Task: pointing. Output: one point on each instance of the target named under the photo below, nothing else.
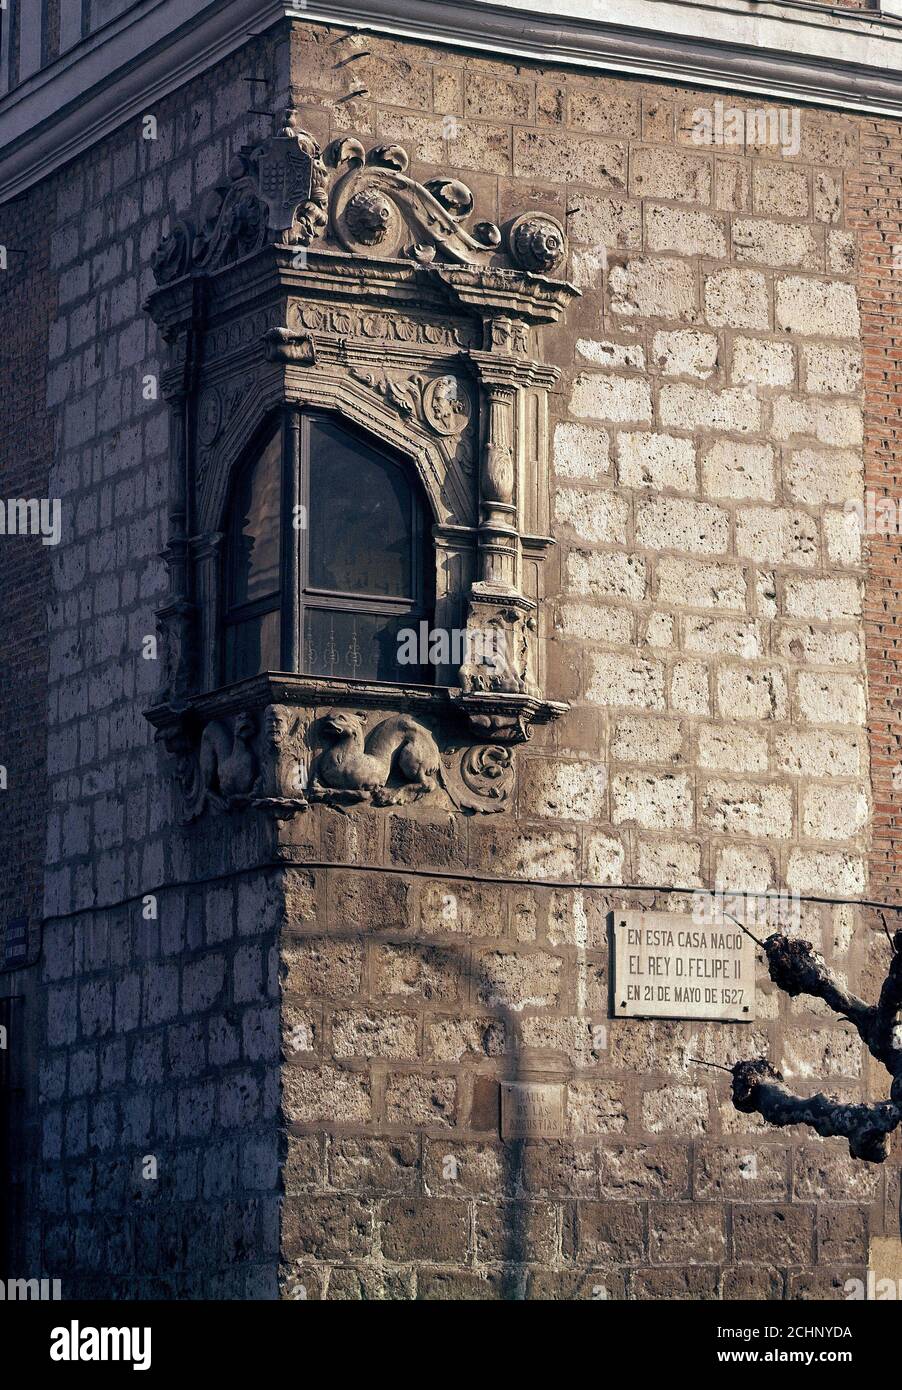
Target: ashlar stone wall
(706, 623)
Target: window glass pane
(253, 646)
(255, 534)
(361, 645)
(361, 517)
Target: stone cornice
(846, 59)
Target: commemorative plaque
(667, 965)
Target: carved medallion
(209, 416)
(537, 242)
(446, 405)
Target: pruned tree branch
(757, 1086)
(797, 968)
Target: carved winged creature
(226, 765)
(396, 747)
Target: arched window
(327, 557)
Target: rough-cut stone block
(671, 174)
(819, 476)
(618, 398)
(731, 749)
(426, 971)
(606, 575)
(727, 636)
(777, 536)
(816, 308)
(659, 461)
(430, 1229)
(748, 808)
(832, 370)
(833, 813)
(323, 968)
(830, 699)
(696, 584)
(654, 288)
(821, 754)
(779, 1235)
(685, 352)
(626, 680)
(596, 1107)
(686, 1232)
(685, 231)
(763, 363)
(604, 1231)
(780, 189)
(740, 471)
(675, 1110)
(690, 691)
(670, 523)
(607, 222)
(595, 623)
(655, 801)
(565, 790)
(417, 1101)
(593, 515)
(752, 692)
(827, 600)
(736, 409)
(371, 1034)
(608, 354)
(326, 1094)
(737, 299)
(776, 244)
(518, 981)
(817, 871)
(569, 159)
(832, 422)
(638, 740)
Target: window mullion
(292, 518)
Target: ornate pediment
(286, 191)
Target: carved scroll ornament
(282, 190)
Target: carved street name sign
(667, 965)
(532, 1110)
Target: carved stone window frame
(338, 283)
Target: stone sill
(498, 716)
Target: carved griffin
(396, 747)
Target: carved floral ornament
(334, 281)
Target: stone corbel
(281, 759)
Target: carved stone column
(206, 551)
(177, 617)
(498, 536)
